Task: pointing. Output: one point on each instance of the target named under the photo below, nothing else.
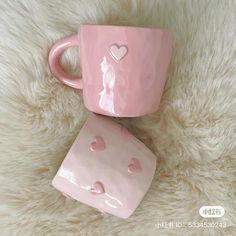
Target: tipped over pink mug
(106, 168)
(123, 68)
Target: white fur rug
(193, 134)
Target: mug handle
(54, 61)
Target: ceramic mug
(106, 168)
(123, 68)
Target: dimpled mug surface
(106, 168)
(123, 68)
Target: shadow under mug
(123, 68)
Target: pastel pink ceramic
(114, 178)
(123, 68)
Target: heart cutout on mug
(134, 166)
(97, 188)
(98, 144)
(118, 52)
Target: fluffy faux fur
(193, 134)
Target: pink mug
(123, 67)
(106, 168)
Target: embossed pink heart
(97, 188)
(97, 144)
(118, 52)
(134, 166)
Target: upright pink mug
(123, 68)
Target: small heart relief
(98, 144)
(118, 52)
(134, 166)
(97, 188)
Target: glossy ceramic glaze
(106, 168)
(123, 68)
